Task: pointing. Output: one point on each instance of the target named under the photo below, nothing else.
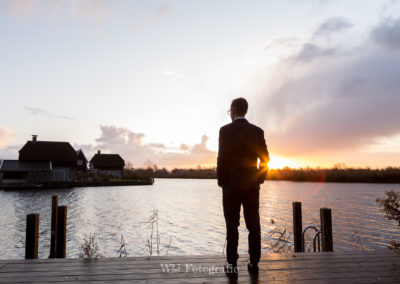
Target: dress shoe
(231, 269)
(252, 268)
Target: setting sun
(278, 162)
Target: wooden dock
(325, 267)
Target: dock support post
(297, 227)
(326, 229)
(32, 236)
(61, 243)
(53, 240)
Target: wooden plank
(132, 261)
(390, 266)
(351, 268)
(265, 257)
(281, 276)
(151, 264)
(156, 271)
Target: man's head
(239, 108)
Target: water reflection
(190, 213)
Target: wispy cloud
(92, 10)
(142, 20)
(42, 112)
(169, 73)
(332, 25)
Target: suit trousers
(232, 199)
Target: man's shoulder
(257, 128)
(226, 127)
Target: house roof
(24, 166)
(107, 161)
(80, 152)
(47, 151)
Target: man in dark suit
(241, 168)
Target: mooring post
(53, 237)
(32, 236)
(297, 227)
(61, 243)
(326, 229)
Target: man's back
(241, 144)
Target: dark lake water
(190, 216)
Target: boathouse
(108, 164)
(61, 155)
(17, 173)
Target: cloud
(132, 148)
(92, 10)
(6, 136)
(10, 152)
(387, 34)
(42, 112)
(311, 51)
(117, 135)
(332, 25)
(154, 16)
(173, 74)
(282, 42)
(327, 99)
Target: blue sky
(152, 80)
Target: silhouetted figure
(241, 144)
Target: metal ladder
(316, 237)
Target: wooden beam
(53, 237)
(61, 232)
(32, 236)
(326, 229)
(297, 227)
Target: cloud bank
(325, 98)
(132, 148)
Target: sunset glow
(277, 162)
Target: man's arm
(264, 158)
(222, 160)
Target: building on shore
(107, 164)
(81, 162)
(41, 162)
(15, 172)
(62, 156)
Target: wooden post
(53, 240)
(61, 231)
(326, 229)
(297, 227)
(32, 236)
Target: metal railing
(316, 237)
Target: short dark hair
(241, 106)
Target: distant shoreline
(334, 175)
(300, 181)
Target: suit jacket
(240, 145)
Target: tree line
(335, 174)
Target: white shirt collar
(239, 117)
